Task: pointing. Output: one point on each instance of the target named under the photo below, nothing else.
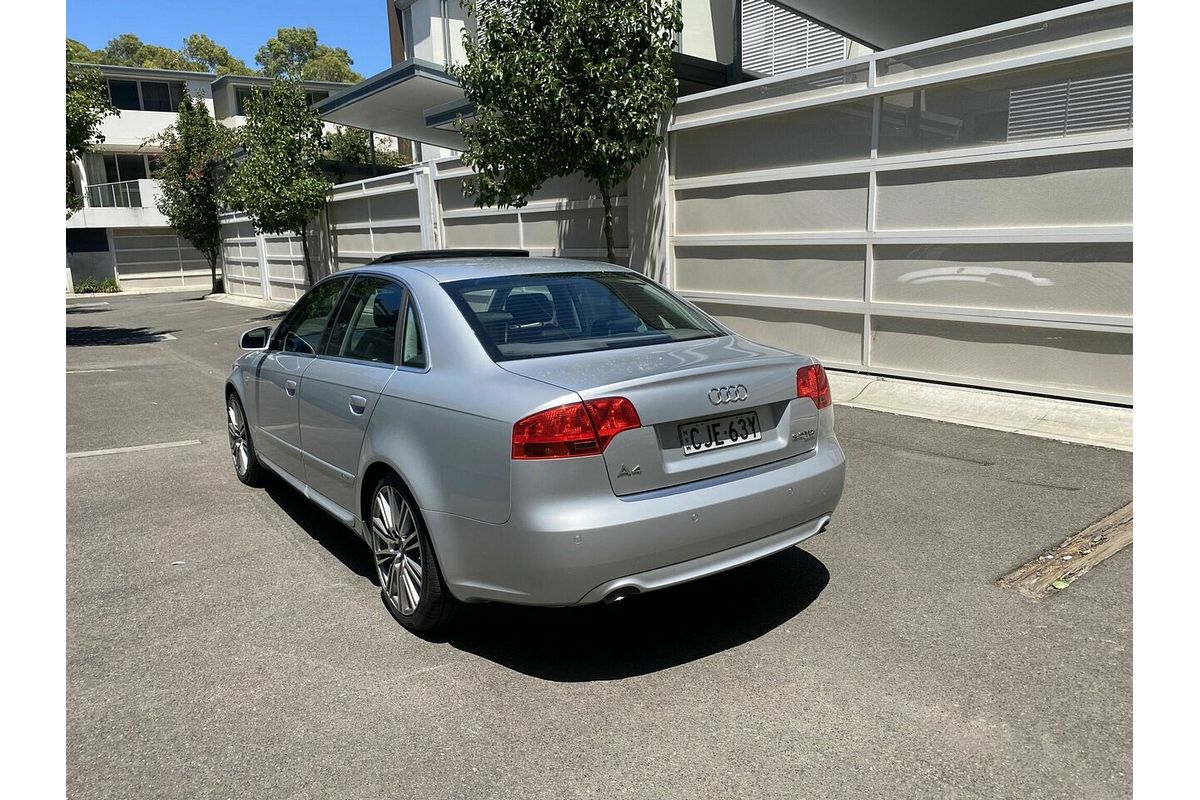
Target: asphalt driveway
(229, 642)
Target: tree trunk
(212, 268)
(608, 225)
(308, 270)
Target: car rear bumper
(568, 544)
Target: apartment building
(120, 232)
(938, 191)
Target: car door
(341, 387)
(293, 347)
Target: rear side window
(413, 353)
(365, 328)
(527, 316)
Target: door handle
(290, 388)
(358, 404)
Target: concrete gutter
(1049, 418)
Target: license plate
(718, 432)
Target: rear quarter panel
(447, 430)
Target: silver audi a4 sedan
(532, 430)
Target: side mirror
(256, 338)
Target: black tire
(435, 606)
(247, 469)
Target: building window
(315, 97)
(241, 95)
(154, 95)
(120, 167)
(87, 240)
(124, 95)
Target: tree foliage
(564, 86)
(87, 107)
(191, 152)
(295, 52)
(353, 146)
(278, 183)
(206, 54)
(128, 50)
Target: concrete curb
(251, 302)
(1046, 417)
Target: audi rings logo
(728, 394)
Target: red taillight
(811, 382)
(573, 429)
(611, 415)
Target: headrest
(385, 317)
(529, 308)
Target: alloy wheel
(239, 448)
(399, 561)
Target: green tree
(564, 86)
(191, 152)
(353, 146)
(295, 52)
(87, 107)
(128, 50)
(204, 53)
(348, 144)
(279, 184)
(80, 52)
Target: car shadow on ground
(93, 335)
(646, 633)
(637, 636)
(326, 531)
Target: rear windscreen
(526, 316)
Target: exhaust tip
(617, 595)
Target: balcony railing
(126, 194)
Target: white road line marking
(85, 305)
(134, 449)
(78, 371)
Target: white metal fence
(919, 213)
(422, 207)
(932, 211)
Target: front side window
(527, 316)
(365, 328)
(302, 329)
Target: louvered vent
(777, 39)
(1077, 105)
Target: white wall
(708, 30)
(436, 23)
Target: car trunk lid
(707, 407)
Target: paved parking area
(228, 642)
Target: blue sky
(360, 26)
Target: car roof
(446, 269)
